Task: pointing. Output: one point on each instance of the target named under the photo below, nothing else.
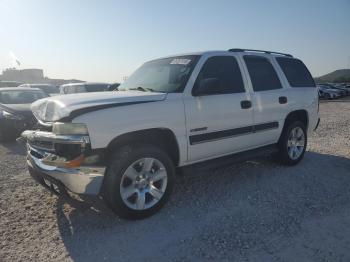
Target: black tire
(283, 154)
(327, 96)
(119, 162)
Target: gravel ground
(252, 211)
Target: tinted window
(96, 88)
(78, 89)
(73, 89)
(262, 73)
(226, 70)
(296, 72)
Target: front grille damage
(70, 152)
(61, 150)
(66, 151)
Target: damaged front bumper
(81, 174)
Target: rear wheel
(139, 181)
(293, 142)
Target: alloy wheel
(143, 183)
(296, 143)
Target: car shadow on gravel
(255, 207)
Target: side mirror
(207, 86)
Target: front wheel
(292, 144)
(138, 181)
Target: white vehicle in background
(83, 88)
(172, 112)
(49, 89)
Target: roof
(258, 51)
(85, 83)
(19, 89)
(233, 50)
(9, 81)
(24, 85)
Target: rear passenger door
(216, 122)
(270, 99)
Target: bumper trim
(53, 185)
(30, 135)
(82, 180)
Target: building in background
(32, 76)
(23, 75)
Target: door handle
(245, 104)
(282, 100)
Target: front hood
(21, 109)
(66, 106)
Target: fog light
(75, 162)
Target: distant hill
(338, 76)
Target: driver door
(219, 113)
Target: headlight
(48, 110)
(8, 115)
(69, 129)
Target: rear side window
(226, 70)
(262, 73)
(296, 72)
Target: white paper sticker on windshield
(180, 61)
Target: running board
(232, 159)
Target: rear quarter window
(296, 72)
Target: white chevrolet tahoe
(172, 112)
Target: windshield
(168, 75)
(20, 96)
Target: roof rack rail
(257, 51)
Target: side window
(79, 89)
(262, 73)
(296, 72)
(219, 75)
